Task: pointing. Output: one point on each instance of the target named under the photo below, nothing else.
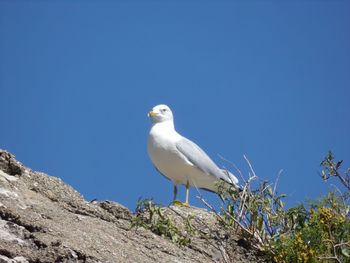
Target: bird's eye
(164, 110)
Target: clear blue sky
(269, 79)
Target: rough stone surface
(42, 219)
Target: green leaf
(345, 251)
(260, 223)
(269, 190)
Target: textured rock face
(42, 219)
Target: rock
(42, 219)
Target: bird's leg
(176, 202)
(187, 192)
(175, 193)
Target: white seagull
(179, 159)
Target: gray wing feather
(199, 158)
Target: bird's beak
(152, 114)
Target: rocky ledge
(42, 219)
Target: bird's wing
(195, 155)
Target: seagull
(179, 159)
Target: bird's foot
(179, 203)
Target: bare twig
(234, 166)
(276, 182)
(334, 258)
(250, 166)
(246, 189)
(343, 244)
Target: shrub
(316, 232)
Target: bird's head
(160, 113)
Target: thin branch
(344, 181)
(343, 244)
(234, 166)
(250, 166)
(334, 258)
(245, 192)
(276, 182)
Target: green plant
(323, 236)
(150, 216)
(258, 212)
(316, 232)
